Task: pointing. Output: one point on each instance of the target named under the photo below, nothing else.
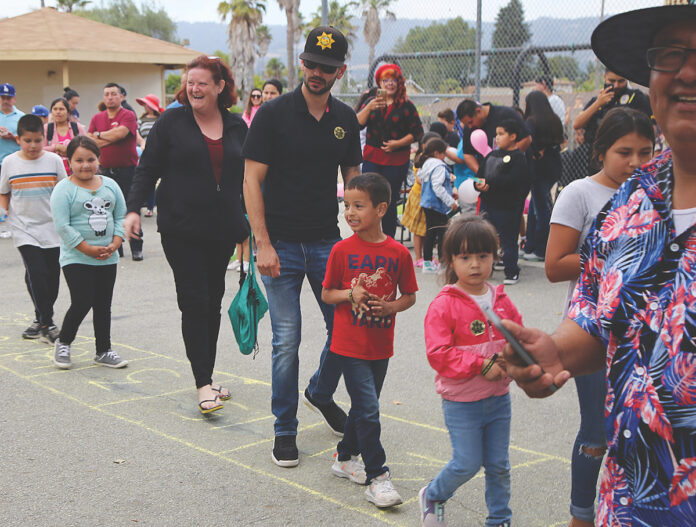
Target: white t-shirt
(577, 207)
(683, 219)
(558, 106)
(485, 300)
(30, 183)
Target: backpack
(52, 126)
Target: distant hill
(209, 36)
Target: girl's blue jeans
(480, 435)
(592, 392)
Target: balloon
(339, 190)
(467, 192)
(479, 140)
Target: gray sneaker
(61, 355)
(110, 359)
(33, 331)
(49, 334)
(382, 493)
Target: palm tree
(291, 8)
(263, 38)
(69, 5)
(245, 16)
(372, 29)
(275, 69)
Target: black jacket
(190, 203)
(508, 177)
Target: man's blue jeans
(592, 392)
(297, 260)
(364, 380)
(480, 435)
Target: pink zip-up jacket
(458, 338)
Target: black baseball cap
(325, 45)
(622, 41)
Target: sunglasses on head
(310, 65)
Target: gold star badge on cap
(325, 41)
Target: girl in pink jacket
(463, 348)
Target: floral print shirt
(637, 293)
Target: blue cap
(7, 90)
(39, 110)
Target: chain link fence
(521, 42)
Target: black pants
(199, 274)
(91, 287)
(507, 223)
(124, 177)
(42, 276)
(437, 224)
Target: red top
(383, 266)
(122, 153)
(215, 152)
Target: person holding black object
(196, 153)
(295, 146)
(506, 181)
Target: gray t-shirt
(577, 207)
(30, 183)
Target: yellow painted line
(427, 458)
(260, 472)
(238, 405)
(188, 418)
(242, 423)
(543, 454)
(326, 451)
(141, 398)
(268, 440)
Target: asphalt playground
(92, 446)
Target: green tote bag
(248, 307)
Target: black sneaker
(512, 280)
(137, 256)
(334, 416)
(285, 452)
(33, 331)
(49, 334)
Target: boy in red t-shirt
(362, 276)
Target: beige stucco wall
(40, 82)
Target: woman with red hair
(393, 124)
(196, 153)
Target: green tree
(455, 34)
(562, 67)
(245, 16)
(510, 31)
(172, 83)
(339, 17)
(263, 39)
(291, 8)
(147, 20)
(224, 57)
(372, 10)
(275, 69)
(69, 5)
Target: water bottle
(4, 230)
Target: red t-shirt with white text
(121, 153)
(384, 266)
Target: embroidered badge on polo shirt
(339, 132)
(325, 41)
(477, 327)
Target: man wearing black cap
(634, 309)
(294, 148)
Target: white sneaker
(430, 267)
(381, 492)
(246, 267)
(233, 266)
(353, 469)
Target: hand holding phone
(515, 344)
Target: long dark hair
(220, 72)
(69, 93)
(247, 109)
(617, 123)
(432, 146)
(548, 128)
(83, 141)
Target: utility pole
(477, 74)
(324, 12)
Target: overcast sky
(205, 10)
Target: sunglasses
(314, 65)
(255, 95)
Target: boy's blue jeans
(592, 392)
(364, 380)
(480, 435)
(297, 260)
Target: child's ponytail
(430, 148)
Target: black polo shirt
(303, 156)
(496, 115)
(630, 98)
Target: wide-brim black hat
(622, 41)
(325, 45)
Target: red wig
(220, 72)
(393, 71)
